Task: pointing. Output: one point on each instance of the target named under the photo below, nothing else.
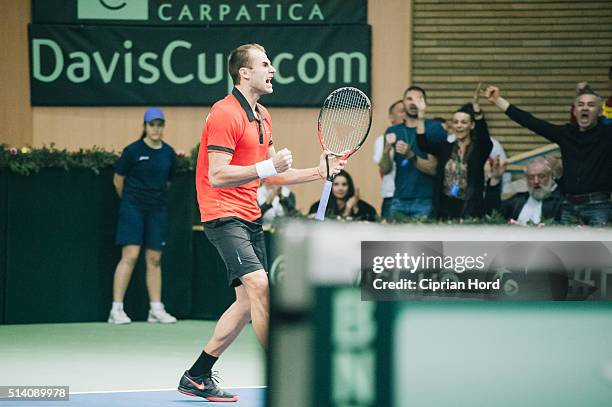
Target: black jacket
(586, 156)
(481, 148)
(511, 208)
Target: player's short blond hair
(239, 58)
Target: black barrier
(58, 257)
(3, 215)
(209, 271)
(60, 251)
(178, 258)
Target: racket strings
(345, 121)
(344, 132)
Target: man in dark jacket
(586, 148)
(542, 201)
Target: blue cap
(153, 113)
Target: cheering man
(236, 153)
(586, 151)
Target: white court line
(151, 390)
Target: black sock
(203, 365)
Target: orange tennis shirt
(232, 128)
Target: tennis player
(236, 153)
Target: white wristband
(265, 169)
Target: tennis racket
(344, 123)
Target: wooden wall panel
(534, 50)
(15, 110)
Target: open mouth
(269, 81)
(584, 116)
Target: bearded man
(542, 201)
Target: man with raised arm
(415, 169)
(586, 152)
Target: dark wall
(57, 251)
(60, 250)
(211, 292)
(3, 215)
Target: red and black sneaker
(205, 386)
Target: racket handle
(323, 202)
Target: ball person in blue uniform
(141, 179)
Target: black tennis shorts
(241, 245)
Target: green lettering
(160, 12)
(347, 63)
(167, 62)
(205, 12)
(352, 378)
(218, 76)
(106, 73)
(263, 8)
(82, 63)
(185, 14)
(354, 326)
(283, 80)
(319, 71)
(243, 12)
(152, 69)
(316, 12)
(36, 62)
(292, 14)
(224, 10)
(127, 59)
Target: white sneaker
(118, 317)
(160, 316)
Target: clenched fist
(491, 93)
(282, 160)
(401, 147)
(390, 138)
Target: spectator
(606, 113)
(275, 201)
(141, 179)
(414, 180)
(344, 201)
(542, 201)
(396, 116)
(586, 148)
(459, 187)
(496, 156)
